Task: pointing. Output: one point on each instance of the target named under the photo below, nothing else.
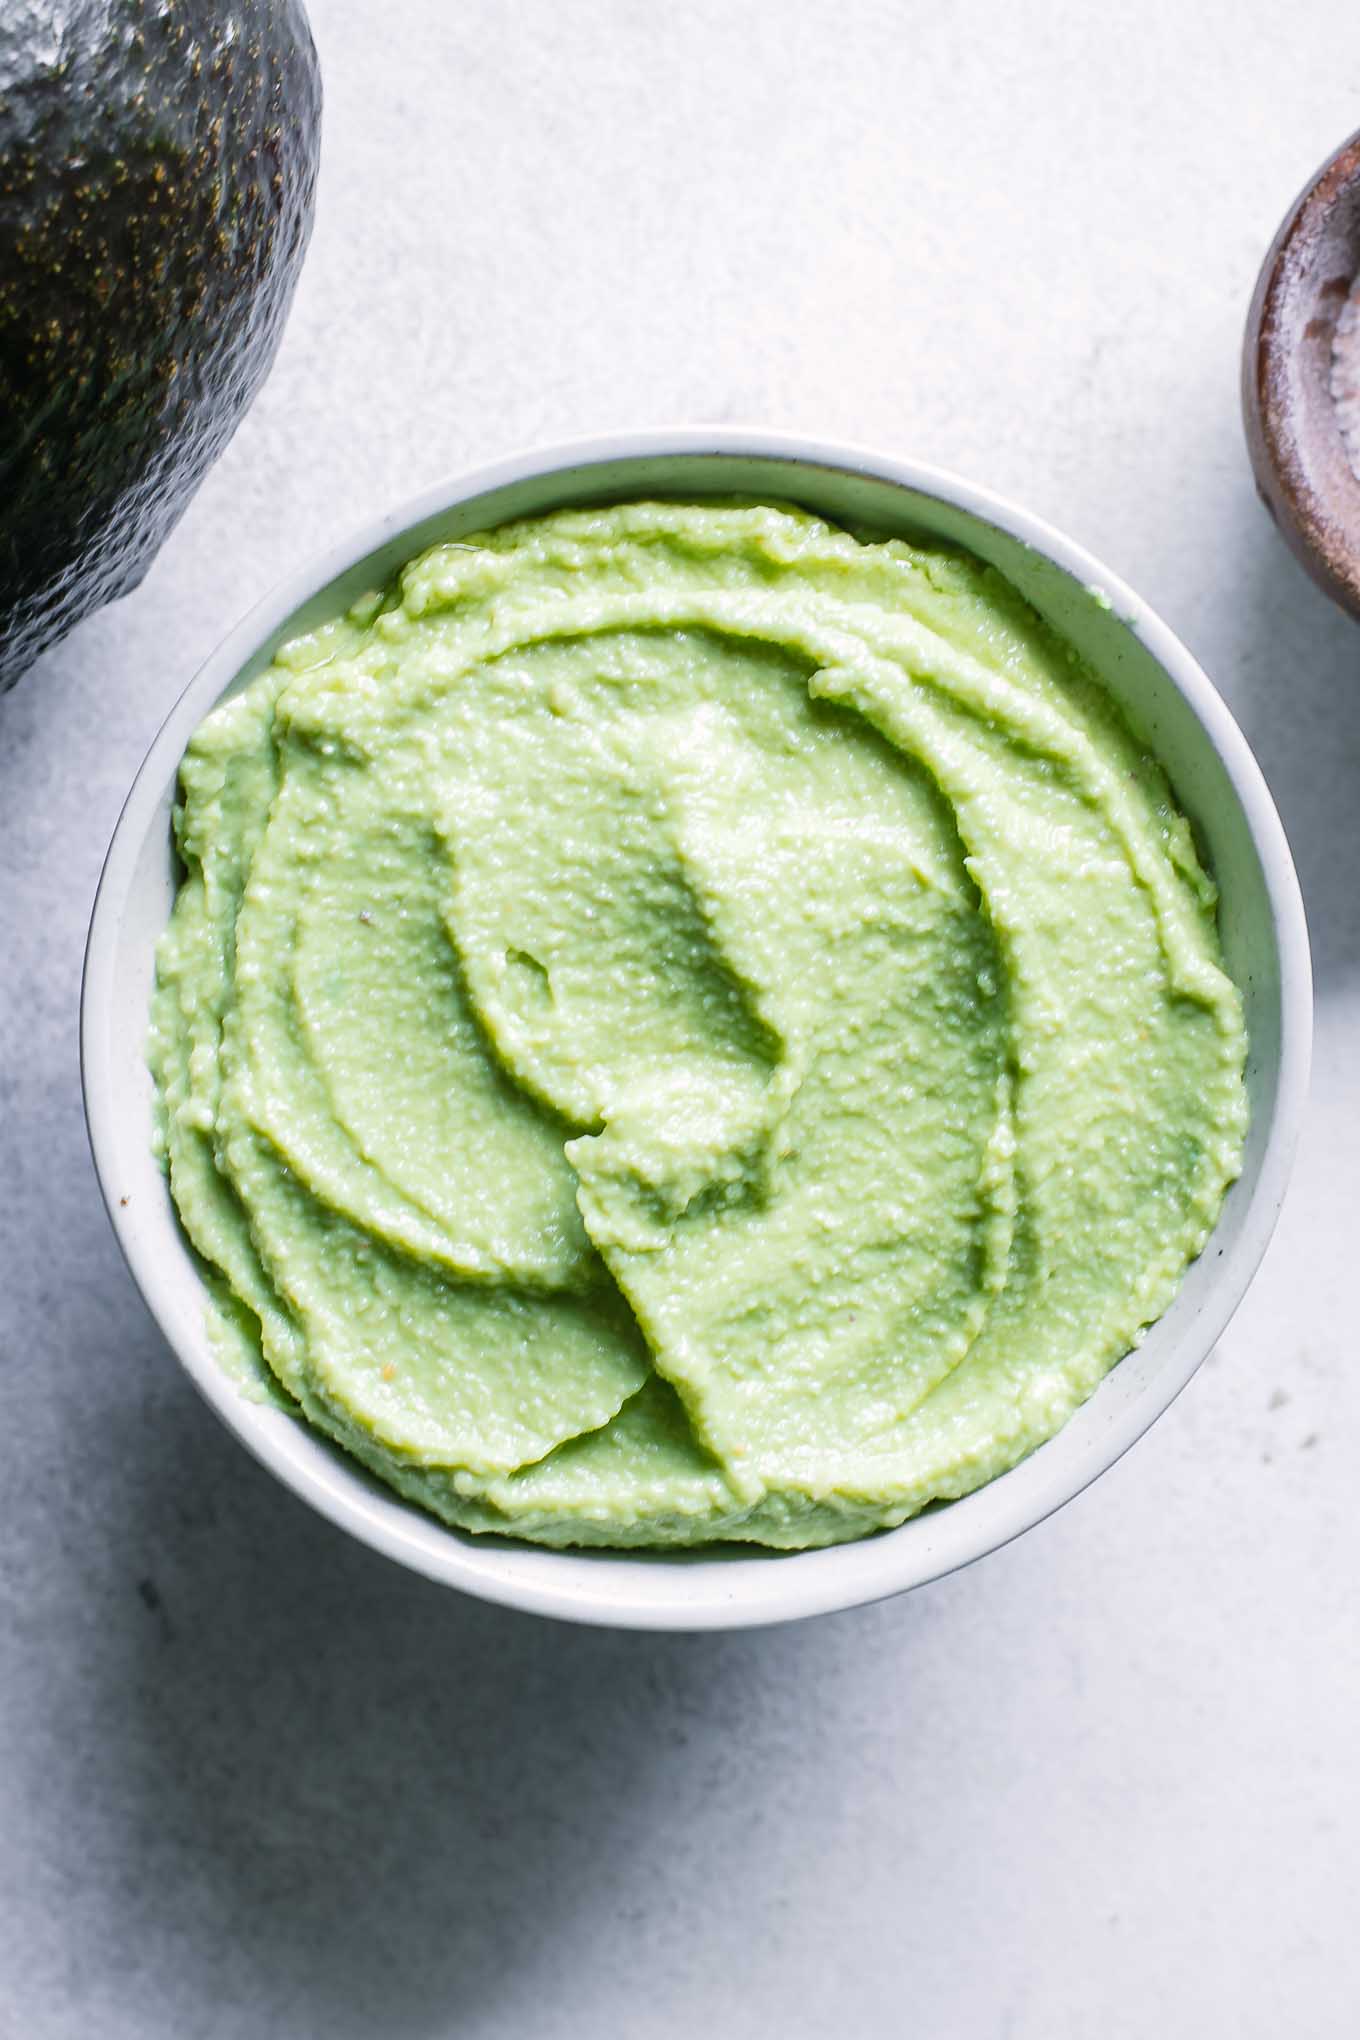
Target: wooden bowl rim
(1303, 472)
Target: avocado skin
(158, 164)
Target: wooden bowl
(1300, 460)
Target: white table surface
(253, 1779)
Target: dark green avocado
(157, 172)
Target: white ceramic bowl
(1171, 705)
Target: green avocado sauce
(681, 1024)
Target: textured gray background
(253, 1779)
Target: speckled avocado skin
(158, 164)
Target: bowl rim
(710, 1584)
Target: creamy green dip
(682, 1024)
